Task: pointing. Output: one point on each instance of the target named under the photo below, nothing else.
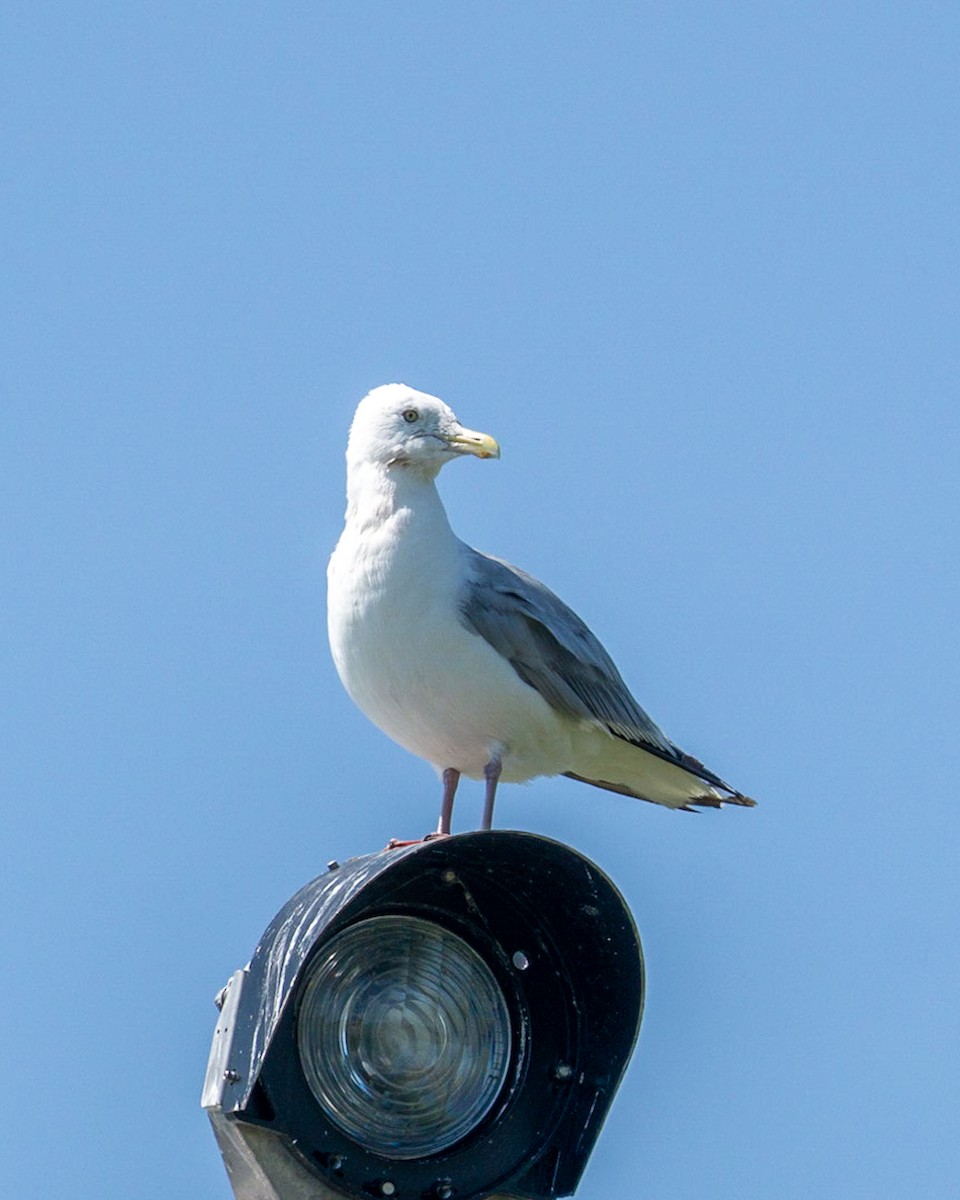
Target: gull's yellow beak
(468, 441)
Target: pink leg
(451, 778)
(491, 773)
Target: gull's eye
(410, 415)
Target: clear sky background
(696, 267)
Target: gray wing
(552, 650)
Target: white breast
(411, 665)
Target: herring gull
(463, 659)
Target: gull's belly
(442, 691)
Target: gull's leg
(450, 777)
(491, 773)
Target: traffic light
(446, 1019)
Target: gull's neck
(377, 493)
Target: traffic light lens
(404, 1035)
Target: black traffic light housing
(559, 941)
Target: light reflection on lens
(404, 1035)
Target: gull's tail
(681, 782)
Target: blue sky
(695, 266)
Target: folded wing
(554, 651)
